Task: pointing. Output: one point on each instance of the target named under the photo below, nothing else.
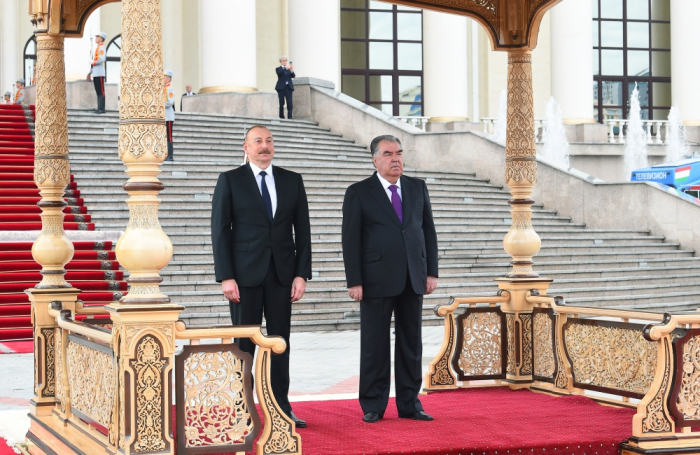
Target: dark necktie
(266, 195)
(396, 201)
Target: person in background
(285, 86)
(19, 95)
(8, 98)
(98, 71)
(189, 92)
(169, 95)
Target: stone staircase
(613, 268)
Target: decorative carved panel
(511, 363)
(609, 356)
(92, 380)
(685, 400)
(543, 345)
(480, 344)
(215, 399)
(526, 324)
(282, 438)
(149, 367)
(657, 418)
(49, 363)
(442, 376)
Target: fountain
(676, 147)
(556, 148)
(499, 130)
(636, 143)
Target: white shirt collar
(385, 183)
(257, 170)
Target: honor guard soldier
(19, 96)
(169, 95)
(98, 71)
(8, 98)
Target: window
(114, 58)
(631, 46)
(382, 55)
(30, 62)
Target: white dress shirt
(386, 184)
(269, 180)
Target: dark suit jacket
(243, 239)
(379, 251)
(182, 97)
(284, 77)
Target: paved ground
(324, 365)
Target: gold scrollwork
(148, 368)
(139, 139)
(59, 367)
(526, 324)
(657, 420)
(216, 410)
(52, 225)
(50, 363)
(688, 394)
(143, 216)
(543, 345)
(611, 357)
(281, 439)
(51, 128)
(480, 353)
(510, 358)
(519, 171)
(442, 374)
(91, 379)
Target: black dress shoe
(372, 417)
(418, 415)
(297, 421)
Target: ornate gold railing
(215, 409)
(639, 359)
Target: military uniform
(98, 73)
(7, 98)
(169, 96)
(19, 96)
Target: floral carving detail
(442, 374)
(55, 170)
(657, 419)
(522, 221)
(143, 216)
(688, 402)
(518, 171)
(481, 344)
(611, 357)
(140, 139)
(281, 439)
(562, 379)
(526, 324)
(52, 225)
(50, 362)
(216, 410)
(510, 324)
(51, 115)
(543, 345)
(59, 368)
(91, 379)
(148, 368)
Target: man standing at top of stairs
(19, 96)
(98, 71)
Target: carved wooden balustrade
(649, 361)
(215, 409)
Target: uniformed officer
(169, 95)
(19, 96)
(8, 98)
(98, 71)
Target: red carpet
(491, 421)
(94, 268)
(5, 449)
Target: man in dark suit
(391, 261)
(189, 92)
(285, 86)
(261, 239)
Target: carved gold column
(144, 320)
(52, 249)
(521, 242)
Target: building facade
(405, 62)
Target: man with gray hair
(391, 260)
(285, 86)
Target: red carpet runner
(489, 421)
(94, 268)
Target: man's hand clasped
(230, 289)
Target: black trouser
(169, 128)
(282, 94)
(375, 351)
(99, 82)
(274, 300)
